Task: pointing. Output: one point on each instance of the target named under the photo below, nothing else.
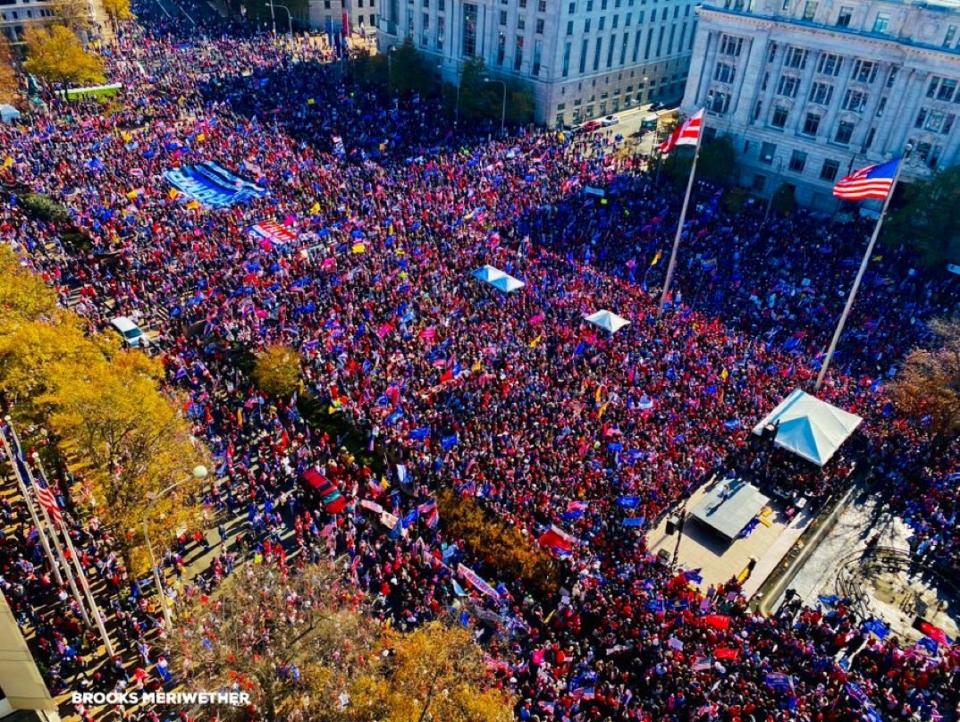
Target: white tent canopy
(809, 427)
(498, 279)
(8, 113)
(607, 320)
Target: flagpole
(83, 579)
(863, 267)
(33, 512)
(56, 543)
(683, 217)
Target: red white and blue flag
(687, 133)
(558, 540)
(871, 183)
(428, 510)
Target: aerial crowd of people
(509, 398)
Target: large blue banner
(213, 185)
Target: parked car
(610, 120)
(590, 126)
(132, 334)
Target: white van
(132, 334)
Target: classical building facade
(583, 58)
(332, 16)
(15, 15)
(810, 89)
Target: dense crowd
(512, 399)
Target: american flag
(44, 495)
(47, 500)
(872, 182)
(687, 133)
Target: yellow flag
(476, 367)
(656, 258)
(358, 248)
(311, 101)
(536, 341)
(201, 137)
(7, 162)
(724, 374)
(240, 417)
(603, 410)
(134, 193)
(193, 205)
(596, 396)
(127, 137)
(173, 194)
(315, 208)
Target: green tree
(925, 217)
(56, 55)
(409, 71)
(717, 162)
(478, 99)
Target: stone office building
(583, 58)
(810, 89)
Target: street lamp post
(289, 17)
(503, 105)
(199, 472)
(273, 18)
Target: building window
(724, 73)
(798, 160)
(537, 54)
(759, 182)
(811, 124)
(731, 45)
(950, 36)
(828, 171)
(518, 53)
(821, 93)
(501, 48)
(854, 101)
(539, 27)
(596, 54)
(881, 106)
(767, 151)
(586, 25)
(788, 86)
(829, 65)
(864, 71)
(569, 28)
(566, 60)
(521, 23)
(809, 9)
(541, 6)
(718, 102)
(779, 118)
(771, 52)
(440, 31)
(844, 17)
(870, 136)
(946, 90)
(882, 23)
(603, 21)
(469, 29)
(892, 76)
(796, 58)
(503, 17)
(610, 48)
(844, 132)
(934, 121)
(623, 53)
(583, 56)
(929, 153)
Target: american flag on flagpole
(47, 500)
(871, 183)
(687, 133)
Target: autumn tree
(9, 90)
(277, 371)
(129, 441)
(56, 55)
(928, 385)
(499, 545)
(74, 14)
(302, 645)
(23, 295)
(434, 673)
(117, 10)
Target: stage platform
(719, 557)
(729, 507)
